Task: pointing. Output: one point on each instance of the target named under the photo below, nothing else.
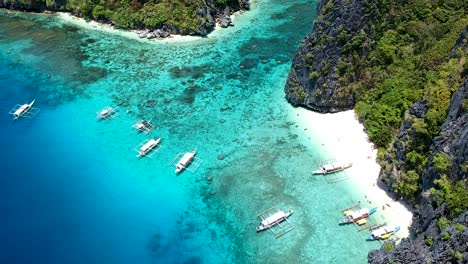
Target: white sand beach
(133, 34)
(67, 17)
(343, 137)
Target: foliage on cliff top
(409, 62)
(140, 13)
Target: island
(401, 65)
(153, 19)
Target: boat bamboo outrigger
(106, 112)
(143, 126)
(182, 161)
(354, 217)
(332, 167)
(383, 232)
(145, 148)
(274, 220)
(185, 161)
(24, 110)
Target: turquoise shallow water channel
(72, 191)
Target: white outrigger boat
(357, 216)
(332, 167)
(274, 219)
(383, 232)
(106, 112)
(186, 159)
(147, 147)
(143, 126)
(24, 110)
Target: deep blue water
(72, 191)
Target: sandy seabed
(343, 137)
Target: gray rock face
(448, 246)
(396, 156)
(453, 137)
(432, 245)
(451, 243)
(209, 23)
(244, 4)
(313, 78)
(225, 21)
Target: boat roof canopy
(273, 218)
(383, 230)
(329, 166)
(360, 212)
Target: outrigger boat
(186, 159)
(274, 219)
(143, 126)
(106, 112)
(147, 147)
(332, 167)
(24, 110)
(354, 217)
(383, 232)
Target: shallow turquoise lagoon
(72, 191)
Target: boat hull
(185, 161)
(349, 219)
(336, 168)
(265, 227)
(147, 149)
(23, 109)
(384, 235)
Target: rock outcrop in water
(408, 85)
(154, 19)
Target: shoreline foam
(343, 137)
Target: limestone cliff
(341, 32)
(434, 242)
(402, 66)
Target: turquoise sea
(72, 191)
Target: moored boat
(106, 112)
(358, 215)
(143, 126)
(22, 110)
(186, 159)
(383, 232)
(140, 126)
(333, 167)
(274, 219)
(148, 146)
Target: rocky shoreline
(224, 20)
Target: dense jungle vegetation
(129, 13)
(412, 59)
